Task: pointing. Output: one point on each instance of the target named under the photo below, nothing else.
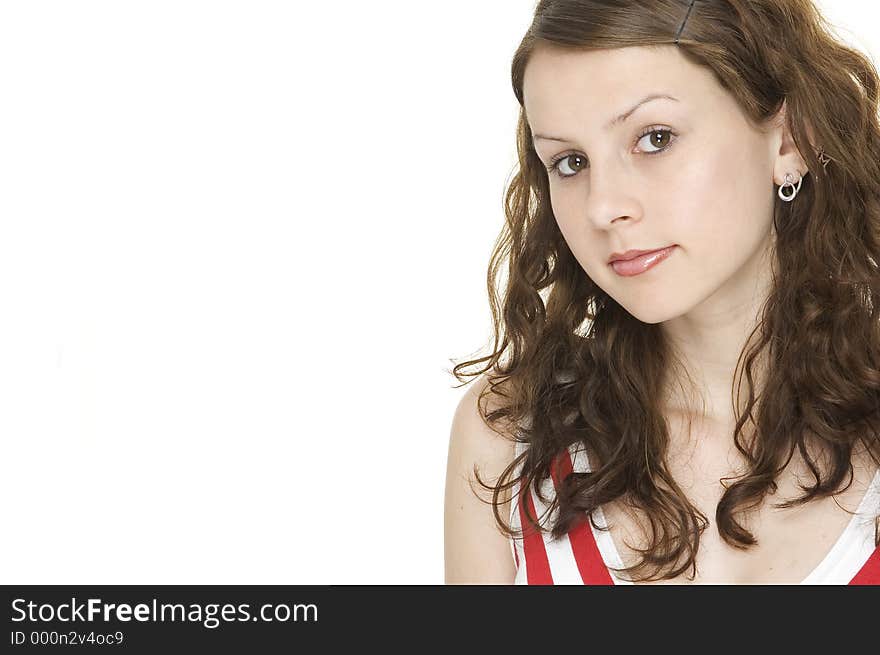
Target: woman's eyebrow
(618, 119)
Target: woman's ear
(788, 158)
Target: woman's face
(689, 172)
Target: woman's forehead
(569, 87)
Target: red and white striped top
(583, 556)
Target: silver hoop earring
(788, 182)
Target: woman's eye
(660, 143)
(565, 160)
(656, 140)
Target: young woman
(685, 383)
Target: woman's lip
(642, 263)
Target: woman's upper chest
(792, 542)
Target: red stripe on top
(586, 551)
(537, 564)
(870, 572)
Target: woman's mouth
(642, 263)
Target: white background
(241, 243)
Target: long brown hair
(570, 366)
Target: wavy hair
(570, 366)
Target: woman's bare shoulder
(494, 442)
(476, 550)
